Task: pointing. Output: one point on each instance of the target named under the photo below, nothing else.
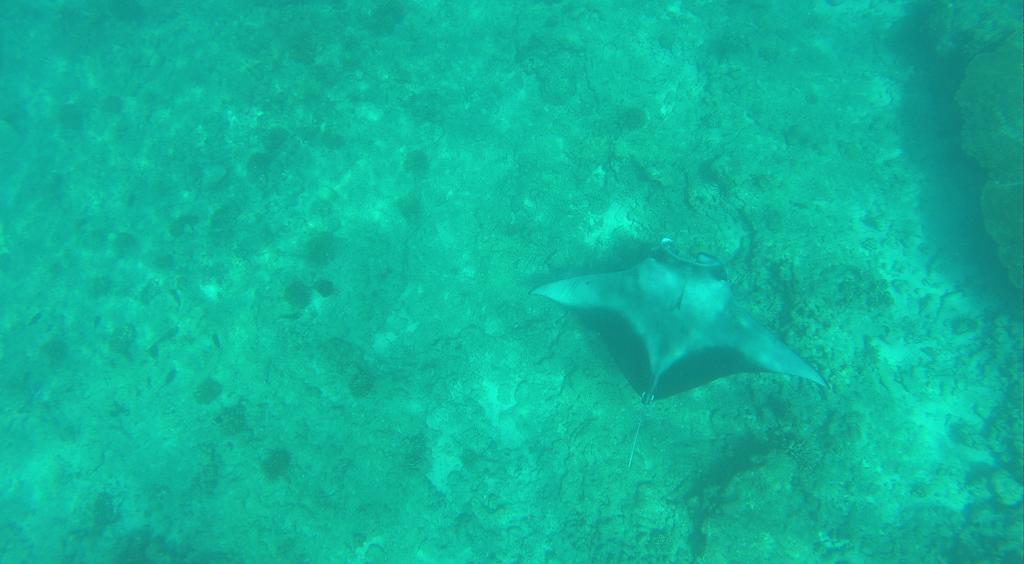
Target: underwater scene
(547, 281)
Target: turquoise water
(265, 272)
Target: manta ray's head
(696, 288)
(702, 263)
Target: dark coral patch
(324, 287)
(631, 119)
(207, 391)
(321, 249)
(416, 162)
(298, 295)
(276, 463)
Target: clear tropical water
(265, 272)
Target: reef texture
(990, 98)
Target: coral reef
(990, 98)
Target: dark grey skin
(672, 324)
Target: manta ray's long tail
(636, 435)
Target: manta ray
(672, 324)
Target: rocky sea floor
(266, 266)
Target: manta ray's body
(678, 318)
